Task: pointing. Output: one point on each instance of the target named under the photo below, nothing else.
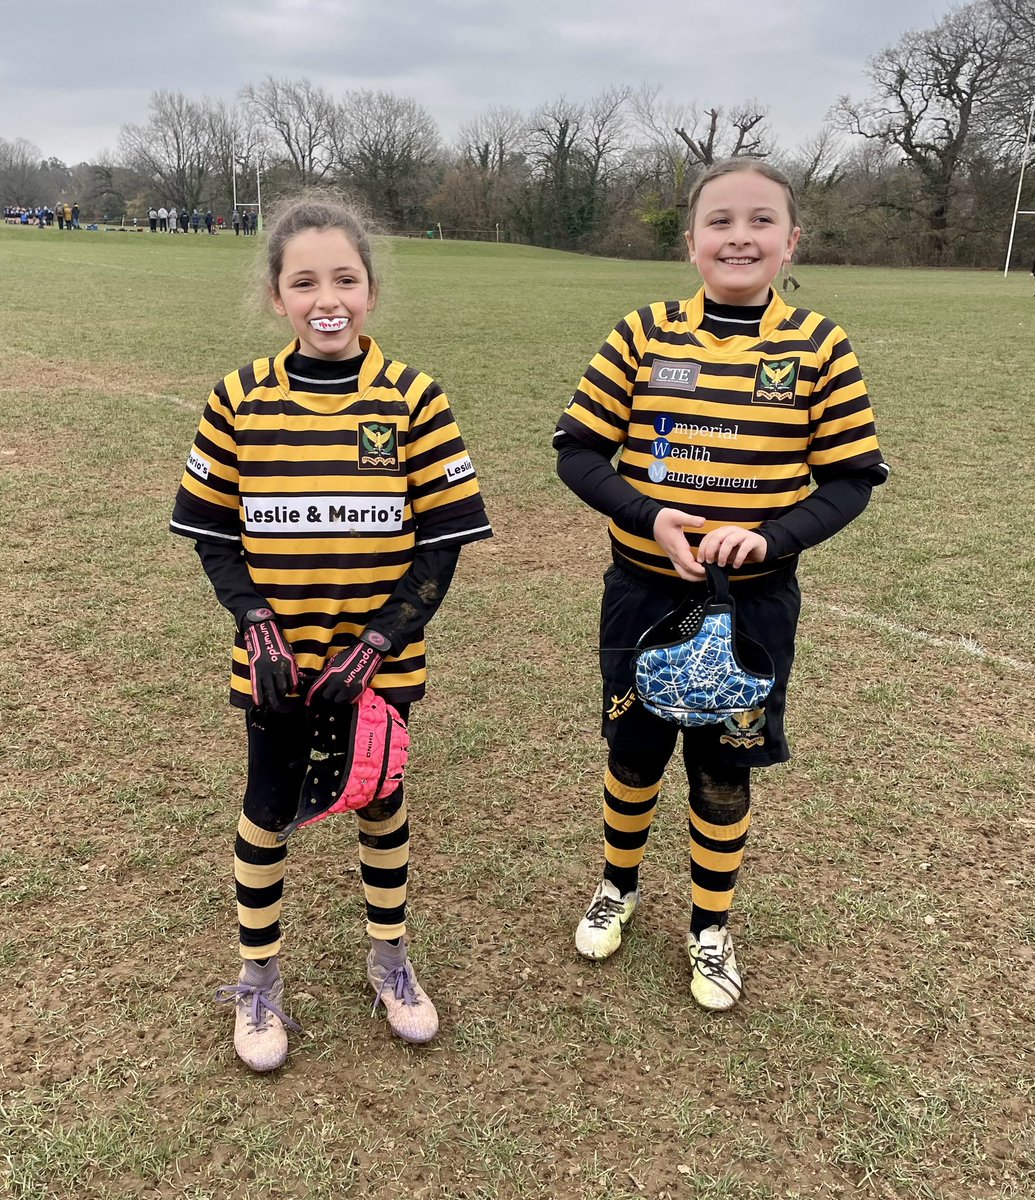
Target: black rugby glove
(350, 671)
(272, 666)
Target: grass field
(884, 921)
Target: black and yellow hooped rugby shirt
(732, 429)
(328, 496)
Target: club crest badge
(776, 381)
(378, 446)
(744, 729)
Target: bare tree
(716, 134)
(605, 134)
(554, 130)
(479, 186)
(817, 162)
(929, 93)
(1019, 18)
(300, 120)
(232, 148)
(576, 153)
(387, 147)
(548, 211)
(173, 151)
(1007, 128)
(666, 156)
(20, 180)
(604, 151)
(492, 140)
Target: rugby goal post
(235, 162)
(1017, 210)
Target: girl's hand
(669, 526)
(271, 665)
(348, 674)
(732, 546)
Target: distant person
(184, 219)
(195, 220)
(163, 220)
(60, 213)
(789, 282)
(208, 220)
(235, 220)
(722, 410)
(329, 626)
(67, 208)
(174, 217)
(75, 215)
(152, 219)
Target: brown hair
(317, 209)
(743, 163)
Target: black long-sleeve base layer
(401, 618)
(589, 473)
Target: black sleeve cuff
(819, 516)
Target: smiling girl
(723, 410)
(328, 493)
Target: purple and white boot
(410, 1012)
(260, 1031)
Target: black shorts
(767, 611)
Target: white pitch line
(965, 644)
(194, 406)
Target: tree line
(922, 170)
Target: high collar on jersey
(775, 314)
(372, 366)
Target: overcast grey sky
(72, 74)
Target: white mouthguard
(329, 324)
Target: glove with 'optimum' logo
(350, 671)
(271, 665)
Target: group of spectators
(66, 215)
(160, 220)
(171, 220)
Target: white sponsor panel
(198, 465)
(323, 514)
(459, 468)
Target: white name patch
(459, 468)
(198, 465)
(323, 514)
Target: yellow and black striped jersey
(328, 496)
(732, 429)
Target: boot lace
(711, 962)
(260, 1003)
(400, 981)
(603, 911)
